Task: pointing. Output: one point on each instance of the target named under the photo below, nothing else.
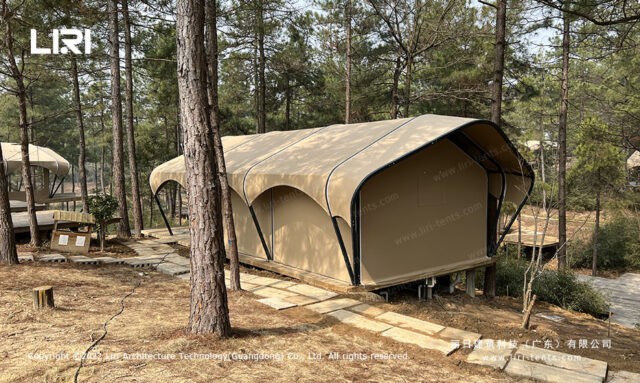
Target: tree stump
(490, 280)
(471, 282)
(43, 297)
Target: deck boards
(45, 222)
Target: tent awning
(329, 164)
(38, 156)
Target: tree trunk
(116, 117)
(262, 114)
(347, 113)
(21, 93)
(209, 312)
(128, 107)
(287, 106)
(102, 185)
(596, 231)
(225, 191)
(562, 148)
(8, 252)
(394, 90)
(82, 155)
(407, 85)
(498, 62)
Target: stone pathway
(623, 294)
(524, 361)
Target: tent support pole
(164, 217)
(344, 250)
(264, 243)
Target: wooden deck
(20, 206)
(528, 240)
(45, 222)
(181, 237)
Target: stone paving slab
(333, 305)
(623, 295)
(186, 276)
(110, 260)
(52, 258)
(496, 357)
(263, 281)
(82, 260)
(26, 258)
(301, 300)
(410, 322)
(141, 262)
(178, 260)
(172, 268)
(277, 303)
(424, 341)
(367, 309)
(359, 321)
(460, 335)
(531, 370)
(559, 359)
(313, 292)
(623, 377)
(283, 284)
(246, 277)
(270, 292)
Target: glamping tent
(371, 204)
(49, 161)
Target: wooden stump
(471, 282)
(490, 280)
(43, 297)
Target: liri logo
(70, 44)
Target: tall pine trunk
(8, 252)
(128, 107)
(407, 85)
(395, 98)
(82, 154)
(262, 113)
(209, 312)
(562, 148)
(347, 113)
(225, 191)
(124, 230)
(21, 93)
(498, 62)
(596, 232)
(496, 116)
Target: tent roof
(38, 156)
(329, 164)
(634, 160)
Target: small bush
(559, 288)
(618, 246)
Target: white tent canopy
(38, 156)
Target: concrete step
(545, 373)
(359, 321)
(333, 305)
(410, 322)
(424, 341)
(567, 361)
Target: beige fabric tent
(371, 204)
(45, 158)
(38, 155)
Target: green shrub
(618, 246)
(559, 288)
(102, 207)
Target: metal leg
(164, 217)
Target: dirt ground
(500, 319)
(285, 345)
(112, 248)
